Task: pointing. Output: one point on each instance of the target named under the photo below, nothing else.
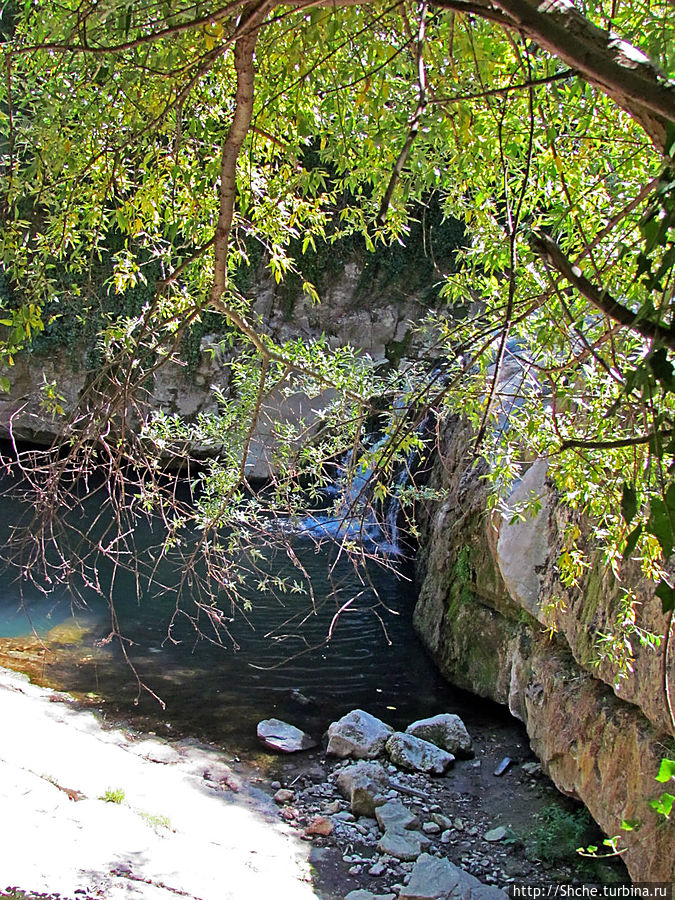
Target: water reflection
(276, 659)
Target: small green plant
(664, 804)
(155, 821)
(560, 833)
(113, 796)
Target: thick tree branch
(479, 8)
(239, 129)
(602, 58)
(241, 122)
(614, 65)
(601, 299)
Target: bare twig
(618, 443)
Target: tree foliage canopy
(177, 137)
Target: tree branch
(614, 65)
(178, 271)
(546, 247)
(522, 85)
(481, 9)
(414, 126)
(102, 49)
(241, 122)
(618, 443)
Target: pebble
(495, 834)
(431, 828)
(355, 870)
(345, 816)
(378, 869)
(321, 827)
(446, 837)
(503, 766)
(284, 796)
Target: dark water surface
(373, 660)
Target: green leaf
(666, 595)
(5, 384)
(628, 503)
(663, 804)
(660, 524)
(631, 541)
(667, 770)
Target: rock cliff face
(498, 621)
(378, 326)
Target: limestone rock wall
(378, 326)
(486, 613)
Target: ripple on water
(373, 659)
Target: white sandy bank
(219, 844)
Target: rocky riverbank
(500, 620)
(105, 812)
(380, 830)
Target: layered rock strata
(498, 621)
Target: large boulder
(446, 731)
(417, 755)
(439, 879)
(524, 544)
(358, 734)
(601, 743)
(286, 738)
(364, 785)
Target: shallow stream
(373, 660)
